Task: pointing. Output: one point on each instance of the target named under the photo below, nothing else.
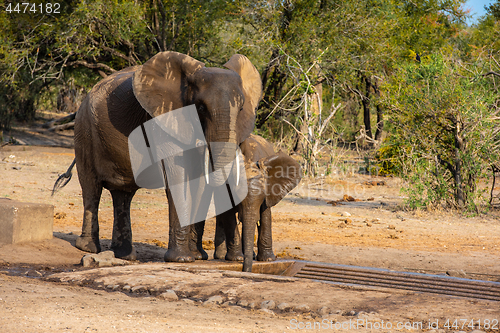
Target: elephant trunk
(248, 234)
(222, 150)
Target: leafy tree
(92, 39)
(444, 127)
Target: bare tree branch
(92, 66)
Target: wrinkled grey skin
(225, 100)
(270, 178)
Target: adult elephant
(225, 100)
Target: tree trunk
(459, 146)
(380, 115)
(366, 106)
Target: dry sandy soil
(43, 287)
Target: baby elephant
(270, 177)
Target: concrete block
(25, 222)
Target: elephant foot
(234, 256)
(199, 254)
(88, 244)
(125, 253)
(220, 252)
(266, 256)
(173, 255)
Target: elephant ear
(283, 174)
(159, 84)
(252, 89)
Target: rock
(103, 259)
(323, 311)
(368, 224)
(284, 307)
(268, 305)
(236, 308)
(188, 301)
(302, 308)
(242, 302)
(391, 227)
(351, 313)
(456, 273)
(252, 305)
(169, 295)
(267, 311)
(138, 289)
(217, 299)
(346, 214)
(127, 288)
(348, 198)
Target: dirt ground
(372, 231)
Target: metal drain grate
(400, 280)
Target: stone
(25, 222)
(252, 305)
(103, 259)
(169, 295)
(268, 305)
(302, 308)
(138, 289)
(457, 273)
(284, 306)
(217, 299)
(242, 302)
(267, 311)
(346, 214)
(323, 311)
(188, 301)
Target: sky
(477, 7)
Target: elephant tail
(64, 178)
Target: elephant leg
(265, 240)
(234, 250)
(91, 193)
(196, 241)
(178, 237)
(220, 239)
(121, 243)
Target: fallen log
(50, 124)
(62, 127)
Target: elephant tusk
(237, 168)
(207, 160)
